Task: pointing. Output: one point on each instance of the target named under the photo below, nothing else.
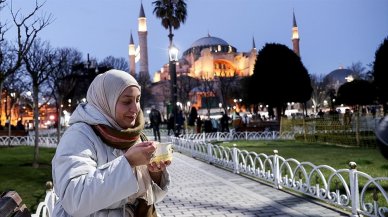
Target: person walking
(170, 124)
(155, 119)
(224, 122)
(199, 124)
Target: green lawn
(18, 174)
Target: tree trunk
(59, 126)
(358, 125)
(35, 162)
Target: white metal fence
(338, 187)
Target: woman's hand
(158, 167)
(140, 154)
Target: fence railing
(338, 187)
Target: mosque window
(219, 47)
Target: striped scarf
(122, 139)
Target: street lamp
(173, 54)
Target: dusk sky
(333, 33)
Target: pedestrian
(237, 122)
(224, 122)
(199, 124)
(170, 124)
(179, 122)
(320, 113)
(155, 119)
(102, 163)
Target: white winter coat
(93, 179)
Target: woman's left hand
(158, 167)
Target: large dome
(208, 41)
(339, 75)
(215, 44)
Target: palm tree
(172, 13)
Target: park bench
(11, 205)
(45, 208)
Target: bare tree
(319, 93)
(3, 25)
(39, 63)
(226, 86)
(359, 70)
(64, 78)
(27, 28)
(208, 93)
(115, 63)
(146, 96)
(15, 85)
(185, 84)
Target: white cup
(163, 152)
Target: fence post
(354, 193)
(275, 171)
(218, 136)
(209, 153)
(204, 137)
(235, 159)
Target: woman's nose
(133, 107)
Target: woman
(102, 164)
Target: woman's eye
(127, 102)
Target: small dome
(208, 41)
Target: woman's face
(127, 107)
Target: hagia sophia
(208, 57)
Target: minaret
(253, 56)
(132, 54)
(295, 36)
(142, 31)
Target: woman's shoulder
(79, 127)
(79, 132)
(78, 137)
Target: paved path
(199, 189)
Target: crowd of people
(196, 123)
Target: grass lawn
(18, 174)
(369, 160)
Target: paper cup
(163, 152)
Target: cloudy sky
(333, 33)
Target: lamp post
(173, 54)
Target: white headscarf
(105, 90)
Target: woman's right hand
(140, 154)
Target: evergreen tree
(279, 77)
(380, 73)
